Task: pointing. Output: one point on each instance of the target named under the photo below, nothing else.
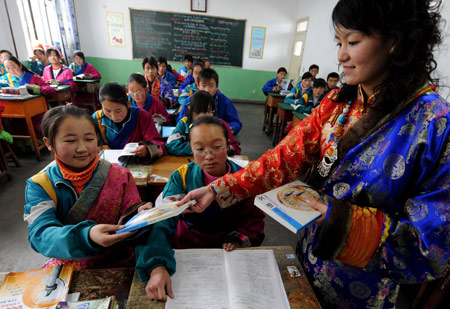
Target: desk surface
(20, 98)
(62, 88)
(277, 95)
(87, 81)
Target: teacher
(379, 149)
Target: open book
(215, 278)
(153, 215)
(38, 288)
(119, 156)
(287, 205)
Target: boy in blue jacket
(274, 84)
(187, 68)
(208, 80)
(164, 73)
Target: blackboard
(173, 35)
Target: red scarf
(78, 180)
(156, 86)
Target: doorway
(297, 50)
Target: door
(297, 50)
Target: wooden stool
(10, 153)
(4, 168)
(284, 112)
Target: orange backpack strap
(43, 180)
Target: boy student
(164, 73)
(187, 68)
(39, 61)
(332, 81)
(3, 54)
(157, 86)
(310, 99)
(208, 80)
(302, 87)
(192, 88)
(314, 70)
(274, 84)
(207, 63)
(190, 78)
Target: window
(298, 48)
(302, 26)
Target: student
(304, 86)
(310, 100)
(156, 86)
(164, 73)
(3, 53)
(208, 80)
(314, 70)
(207, 63)
(187, 68)
(57, 73)
(332, 81)
(39, 61)
(73, 207)
(274, 84)
(179, 79)
(138, 97)
(19, 75)
(202, 104)
(80, 66)
(192, 88)
(242, 225)
(121, 123)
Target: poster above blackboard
(173, 35)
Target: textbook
(119, 156)
(38, 288)
(287, 205)
(104, 303)
(150, 216)
(167, 131)
(215, 278)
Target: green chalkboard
(173, 35)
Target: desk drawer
(13, 109)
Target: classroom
(315, 132)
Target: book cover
(287, 205)
(153, 215)
(103, 303)
(38, 288)
(167, 131)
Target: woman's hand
(203, 196)
(141, 151)
(321, 207)
(229, 246)
(105, 236)
(159, 285)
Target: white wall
(6, 41)
(443, 54)
(280, 21)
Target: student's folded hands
(160, 285)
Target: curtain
(65, 13)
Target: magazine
(104, 303)
(287, 205)
(38, 288)
(150, 216)
(119, 156)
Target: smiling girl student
(39, 61)
(57, 73)
(121, 123)
(73, 207)
(157, 86)
(239, 226)
(80, 66)
(140, 98)
(202, 104)
(3, 53)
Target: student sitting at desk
(3, 53)
(274, 84)
(121, 124)
(207, 63)
(57, 73)
(187, 68)
(138, 97)
(73, 207)
(332, 81)
(202, 104)
(164, 73)
(39, 61)
(179, 79)
(80, 66)
(208, 80)
(302, 87)
(156, 86)
(314, 70)
(192, 88)
(242, 225)
(310, 100)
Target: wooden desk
(26, 108)
(284, 112)
(297, 118)
(63, 95)
(271, 104)
(87, 93)
(298, 289)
